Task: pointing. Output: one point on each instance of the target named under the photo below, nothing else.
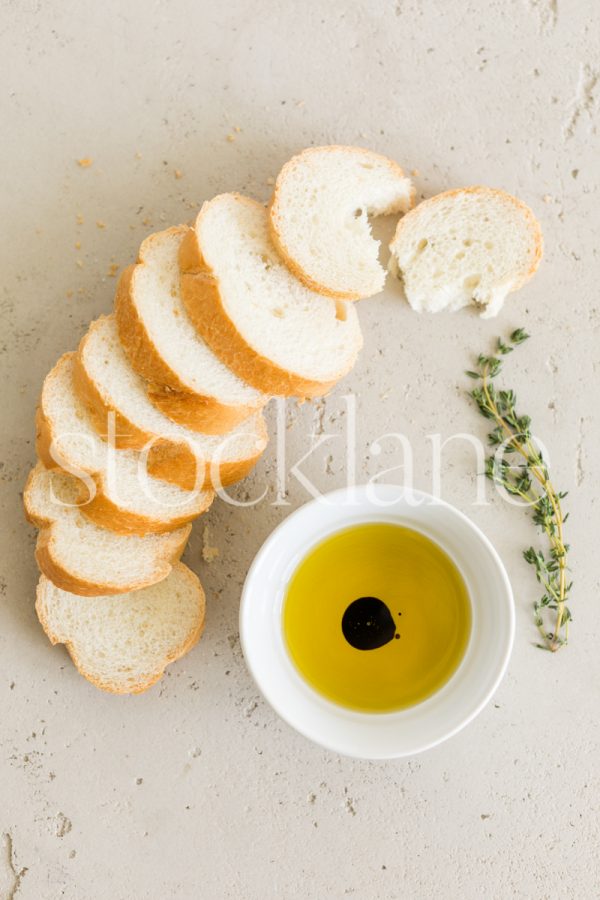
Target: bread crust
(127, 435)
(166, 390)
(178, 467)
(168, 459)
(101, 509)
(204, 305)
(274, 218)
(50, 564)
(176, 653)
(198, 413)
(537, 247)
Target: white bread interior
(122, 644)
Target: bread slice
(319, 217)
(123, 643)
(253, 313)
(108, 384)
(78, 556)
(120, 495)
(188, 383)
(472, 245)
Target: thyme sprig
(517, 464)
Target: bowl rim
(361, 501)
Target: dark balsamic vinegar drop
(368, 624)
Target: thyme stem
(512, 434)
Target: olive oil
(377, 617)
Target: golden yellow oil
(377, 617)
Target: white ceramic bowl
(377, 735)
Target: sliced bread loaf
(78, 556)
(123, 643)
(319, 217)
(253, 313)
(472, 245)
(108, 384)
(188, 382)
(120, 495)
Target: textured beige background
(196, 789)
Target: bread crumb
(79, 263)
(415, 173)
(548, 198)
(112, 270)
(100, 224)
(63, 826)
(78, 245)
(300, 102)
(79, 219)
(69, 295)
(230, 138)
(147, 221)
(137, 155)
(85, 162)
(237, 129)
(270, 180)
(178, 173)
(209, 554)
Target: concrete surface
(196, 789)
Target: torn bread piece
(471, 245)
(79, 556)
(187, 381)
(319, 217)
(254, 314)
(123, 643)
(116, 491)
(108, 384)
